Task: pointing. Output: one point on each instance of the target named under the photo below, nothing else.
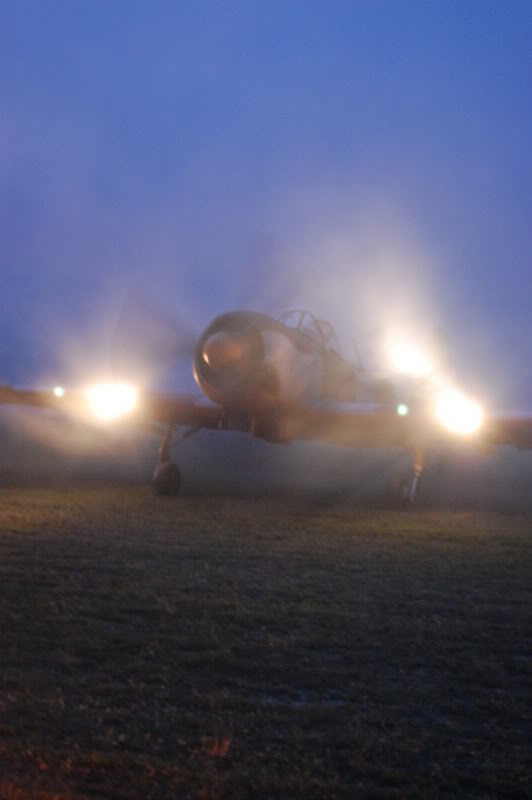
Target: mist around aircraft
(282, 380)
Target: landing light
(408, 360)
(458, 413)
(402, 410)
(59, 391)
(109, 401)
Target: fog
(45, 450)
(368, 161)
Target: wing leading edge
(173, 409)
(379, 426)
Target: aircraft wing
(382, 426)
(356, 427)
(27, 397)
(177, 409)
(180, 409)
(351, 426)
(360, 426)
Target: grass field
(224, 645)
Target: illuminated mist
(367, 161)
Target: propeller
(147, 341)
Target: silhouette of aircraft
(286, 379)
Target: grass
(237, 646)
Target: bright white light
(458, 413)
(108, 401)
(59, 391)
(402, 410)
(409, 361)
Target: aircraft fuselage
(249, 362)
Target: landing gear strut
(409, 487)
(166, 478)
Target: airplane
(286, 379)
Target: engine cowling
(229, 363)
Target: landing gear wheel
(167, 480)
(403, 492)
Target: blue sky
(370, 159)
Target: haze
(369, 160)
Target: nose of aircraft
(224, 351)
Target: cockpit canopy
(319, 330)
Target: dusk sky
(370, 160)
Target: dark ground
(278, 631)
(254, 645)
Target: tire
(167, 480)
